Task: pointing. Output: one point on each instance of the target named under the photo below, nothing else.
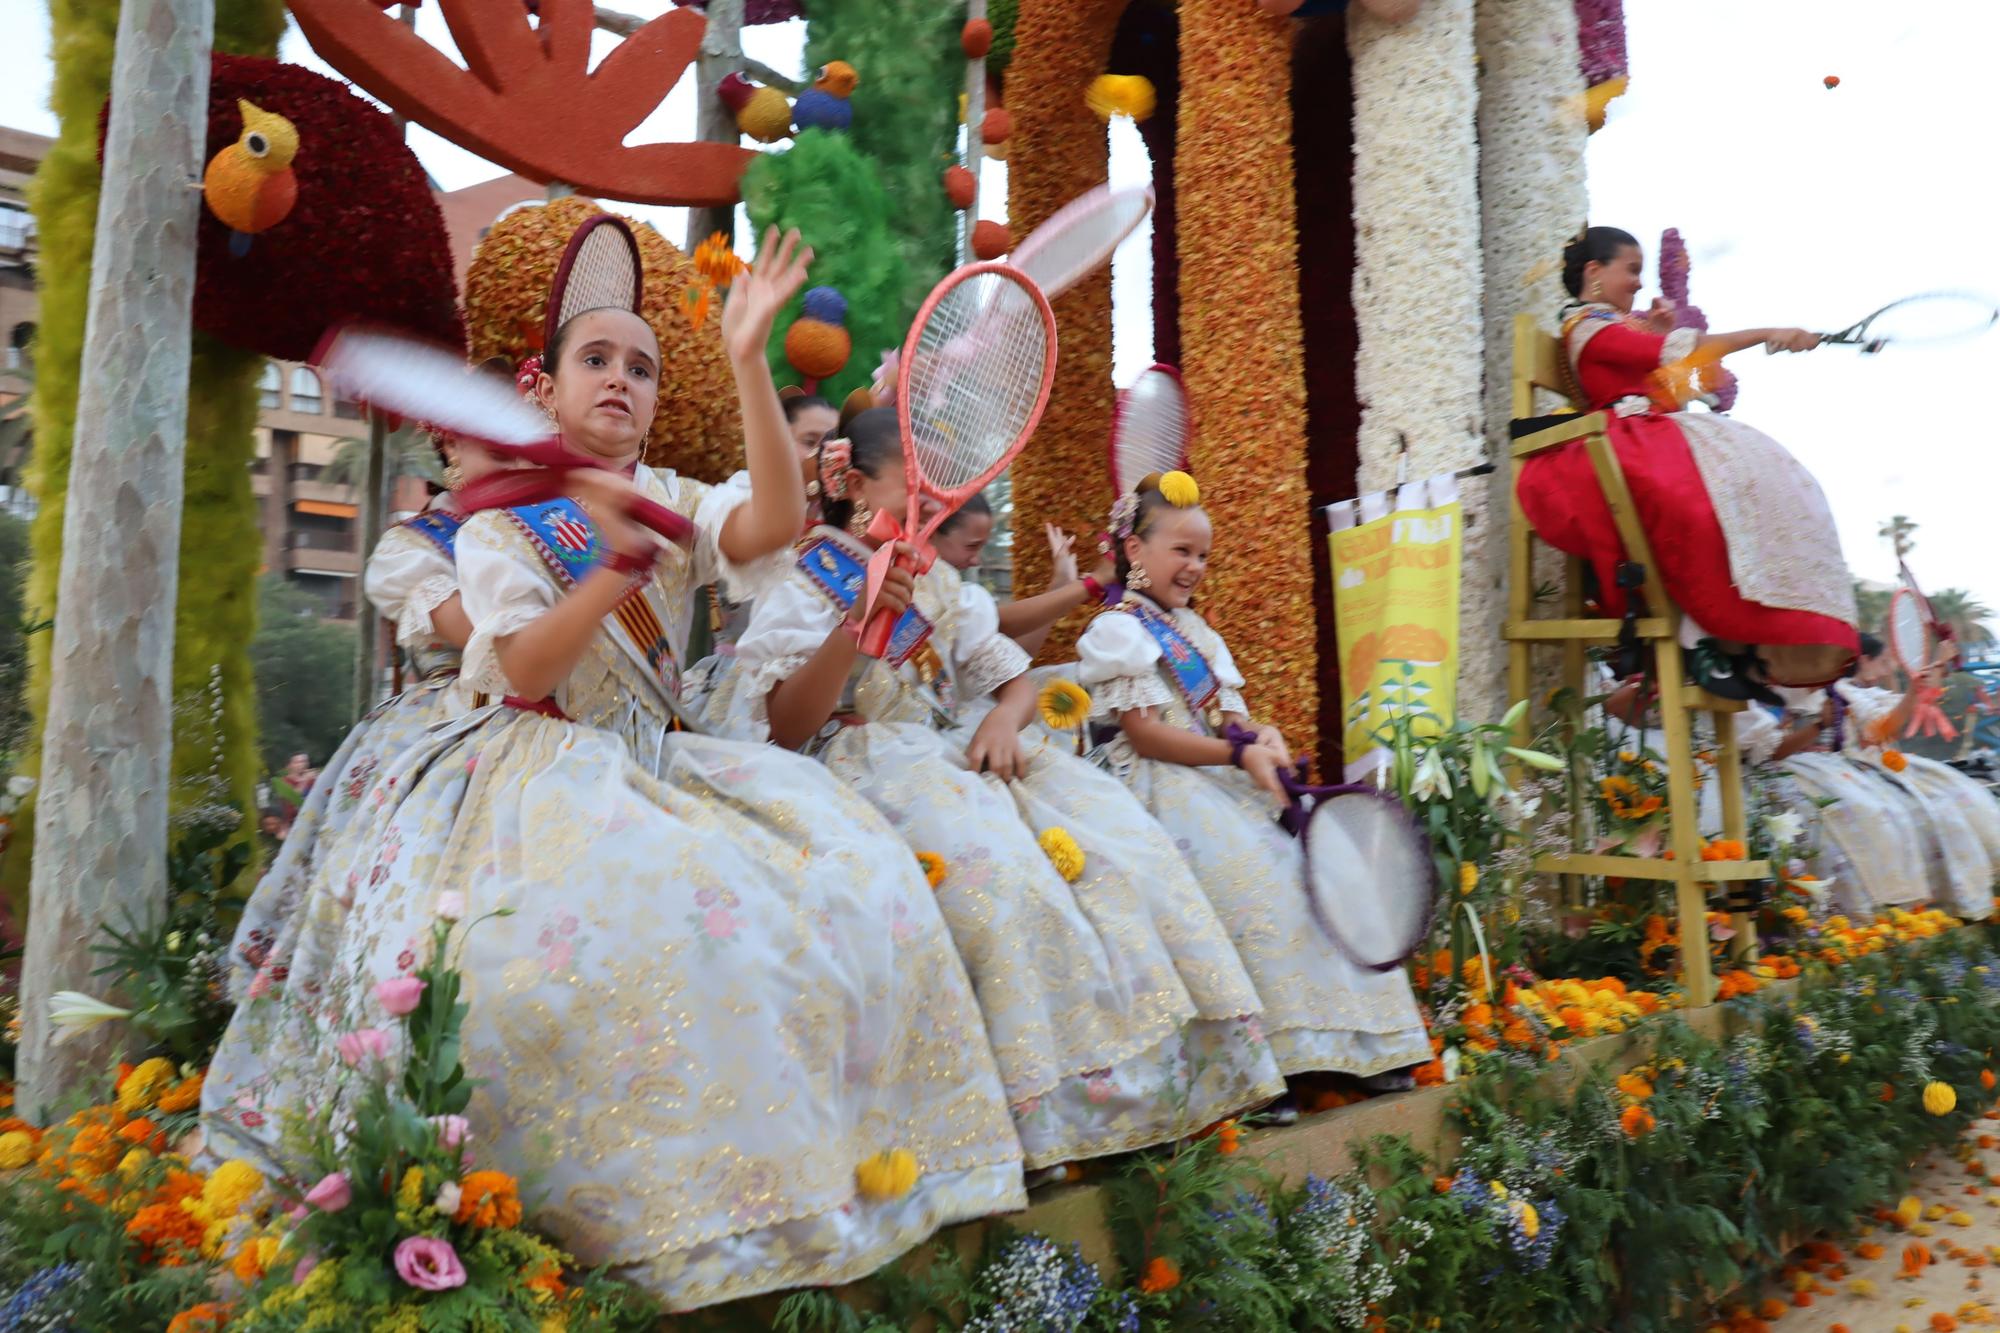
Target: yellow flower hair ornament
(887, 1175)
(934, 868)
(1179, 490)
(1063, 853)
(1063, 704)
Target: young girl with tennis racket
(721, 986)
(1118, 1009)
(1026, 620)
(1158, 670)
(1745, 542)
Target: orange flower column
(1057, 151)
(1242, 348)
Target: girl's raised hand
(1062, 556)
(756, 296)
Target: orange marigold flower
(1895, 762)
(1868, 1249)
(168, 1231)
(1916, 1257)
(1162, 1274)
(1941, 1322)
(489, 1199)
(183, 1096)
(1986, 1079)
(1636, 1121)
(1772, 1308)
(1635, 1086)
(548, 1280)
(208, 1317)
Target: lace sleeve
(1118, 662)
(1678, 345)
(712, 507)
(787, 626)
(502, 592)
(406, 579)
(985, 658)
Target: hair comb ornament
(600, 269)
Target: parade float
(1354, 204)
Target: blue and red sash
(841, 575)
(1189, 670)
(571, 546)
(440, 526)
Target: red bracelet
(629, 562)
(1093, 589)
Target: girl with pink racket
(1114, 1001)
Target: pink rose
(451, 905)
(363, 1044)
(332, 1194)
(260, 986)
(399, 995)
(428, 1264)
(452, 1130)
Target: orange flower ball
(996, 126)
(958, 185)
(817, 349)
(976, 39)
(991, 239)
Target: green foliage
(303, 667)
(15, 631)
(905, 120)
(1003, 15)
(824, 186)
(169, 969)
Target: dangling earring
(1139, 580)
(454, 475)
(1596, 291)
(858, 521)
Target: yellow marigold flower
(254, 1258)
(1063, 704)
(17, 1149)
(143, 1086)
(1468, 877)
(232, 1185)
(1063, 853)
(133, 1162)
(1940, 1098)
(1531, 1221)
(410, 1194)
(933, 867)
(1179, 490)
(887, 1175)
(1635, 1086)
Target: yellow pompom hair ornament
(1179, 490)
(887, 1175)
(1122, 95)
(1940, 1098)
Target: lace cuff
(1679, 345)
(750, 712)
(1109, 698)
(989, 666)
(481, 671)
(414, 624)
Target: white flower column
(1417, 283)
(1532, 134)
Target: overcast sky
(1801, 205)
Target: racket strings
(1152, 430)
(975, 379)
(1079, 237)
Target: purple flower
(1600, 33)
(428, 1264)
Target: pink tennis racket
(971, 384)
(1150, 428)
(1912, 628)
(1078, 238)
(425, 382)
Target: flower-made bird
(825, 106)
(249, 184)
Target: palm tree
(1966, 615)
(1899, 532)
(408, 453)
(1871, 605)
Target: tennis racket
(425, 382)
(1369, 874)
(1078, 238)
(1150, 428)
(1912, 628)
(1932, 317)
(971, 384)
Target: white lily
(1536, 759)
(1452, 1061)
(1482, 773)
(20, 785)
(74, 1012)
(1785, 828)
(1431, 779)
(1514, 714)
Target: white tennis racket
(1078, 238)
(1150, 428)
(1931, 317)
(1912, 628)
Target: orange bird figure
(249, 184)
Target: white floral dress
(724, 983)
(1120, 1014)
(410, 574)
(1321, 1010)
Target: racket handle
(881, 625)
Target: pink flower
(718, 923)
(448, 1199)
(363, 1044)
(452, 1130)
(260, 986)
(428, 1264)
(399, 995)
(559, 956)
(451, 905)
(251, 1119)
(332, 1194)
(1098, 1089)
(303, 1269)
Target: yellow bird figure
(250, 185)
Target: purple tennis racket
(1369, 874)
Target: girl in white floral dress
(724, 985)
(1156, 669)
(1119, 1012)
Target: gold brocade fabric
(724, 983)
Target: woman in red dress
(1743, 538)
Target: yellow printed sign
(1395, 603)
